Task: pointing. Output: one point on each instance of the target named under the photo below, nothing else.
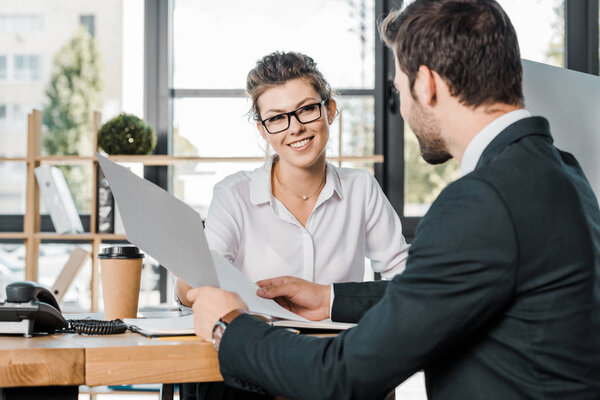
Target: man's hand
(307, 299)
(210, 304)
(182, 290)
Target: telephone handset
(31, 308)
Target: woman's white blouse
(351, 220)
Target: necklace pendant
(304, 197)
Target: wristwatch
(222, 324)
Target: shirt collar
(333, 184)
(486, 135)
(260, 183)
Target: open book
(172, 233)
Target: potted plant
(126, 134)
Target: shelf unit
(32, 236)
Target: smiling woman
(299, 215)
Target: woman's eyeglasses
(305, 114)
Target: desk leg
(40, 393)
(167, 391)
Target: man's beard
(427, 130)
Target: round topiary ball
(126, 134)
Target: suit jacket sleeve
(460, 275)
(352, 300)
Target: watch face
(217, 334)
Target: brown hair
(279, 67)
(471, 44)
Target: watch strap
(221, 325)
(231, 315)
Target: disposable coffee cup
(121, 270)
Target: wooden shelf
(109, 236)
(78, 236)
(13, 235)
(159, 160)
(377, 158)
(65, 160)
(13, 159)
(162, 160)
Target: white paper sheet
(172, 233)
(161, 225)
(234, 280)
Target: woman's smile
(302, 144)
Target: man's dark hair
(471, 44)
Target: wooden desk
(40, 361)
(129, 358)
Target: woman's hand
(307, 299)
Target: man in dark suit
(501, 295)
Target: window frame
(581, 36)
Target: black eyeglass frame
(293, 113)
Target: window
(27, 67)
(210, 106)
(89, 23)
(12, 265)
(12, 199)
(27, 63)
(3, 68)
(248, 28)
(20, 24)
(540, 27)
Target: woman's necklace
(306, 196)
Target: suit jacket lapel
(532, 126)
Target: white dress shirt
(478, 144)
(352, 219)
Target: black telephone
(31, 308)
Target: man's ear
(425, 87)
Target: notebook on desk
(181, 326)
(172, 233)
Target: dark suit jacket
(500, 298)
